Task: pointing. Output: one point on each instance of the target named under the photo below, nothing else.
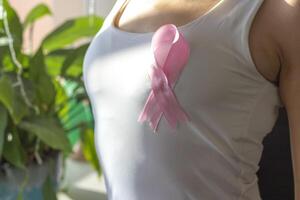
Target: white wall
(66, 9)
(103, 7)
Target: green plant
(34, 105)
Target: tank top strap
(245, 17)
(234, 22)
(239, 20)
(250, 10)
(228, 28)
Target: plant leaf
(23, 185)
(49, 192)
(49, 131)
(70, 64)
(36, 13)
(14, 24)
(12, 100)
(13, 150)
(71, 31)
(43, 84)
(61, 98)
(19, 106)
(54, 61)
(6, 93)
(89, 149)
(6, 63)
(3, 124)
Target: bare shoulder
(274, 36)
(262, 44)
(284, 27)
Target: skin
(275, 46)
(274, 42)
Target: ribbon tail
(167, 110)
(181, 115)
(154, 121)
(155, 114)
(146, 112)
(172, 109)
(151, 112)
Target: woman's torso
(232, 107)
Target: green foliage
(55, 59)
(71, 31)
(23, 184)
(72, 65)
(36, 13)
(35, 103)
(48, 190)
(13, 150)
(6, 93)
(11, 98)
(48, 130)
(44, 88)
(89, 149)
(15, 25)
(3, 124)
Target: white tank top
(231, 105)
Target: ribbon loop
(171, 53)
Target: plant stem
(36, 152)
(16, 62)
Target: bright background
(62, 10)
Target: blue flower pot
(11, 179)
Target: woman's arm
(288, 37)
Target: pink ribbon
(171, 53)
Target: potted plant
(34, 103)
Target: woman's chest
(211, 76)
(140, 16)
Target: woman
(227, 88)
